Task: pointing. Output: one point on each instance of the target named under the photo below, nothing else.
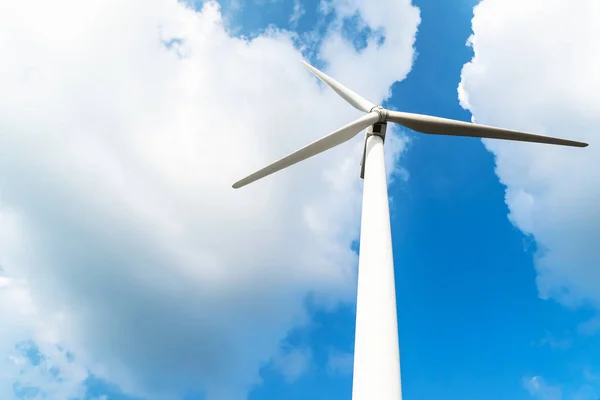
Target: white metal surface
(376, 349)
(325, 143)
(444, 126)
(417, 122)
(355, 100)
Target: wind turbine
(376, 350)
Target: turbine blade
(444, 126)
(333, 139)
(351, 97)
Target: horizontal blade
(354, 99)
(333, 139)
(443, 126)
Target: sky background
(130, 270)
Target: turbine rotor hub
(383, 113)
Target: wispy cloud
(552, 341)
(292, 364)
(297, 13)
(541, 390)
(589, 327)
(340, 362)
(587, 387)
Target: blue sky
(472, 324)
(470, 321)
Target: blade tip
(307, 65)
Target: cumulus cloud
(535, 68)
(122, 126)
(37, 367)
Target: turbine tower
(376, 350)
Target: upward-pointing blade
(444, 126)
(333, 139)
(354, 99)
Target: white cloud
(32, 362)
(541, 390)
(293, 363)
(585, 389)
(340, 362)
(374, 61)
(589, 327)
(554, 342)
(535, 68)
(297, 13)
(116, 161)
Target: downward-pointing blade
(333, 139)
(443, 126)
(351, 97)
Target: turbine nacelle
(378, 115)
(377, 129)
(383, 113)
